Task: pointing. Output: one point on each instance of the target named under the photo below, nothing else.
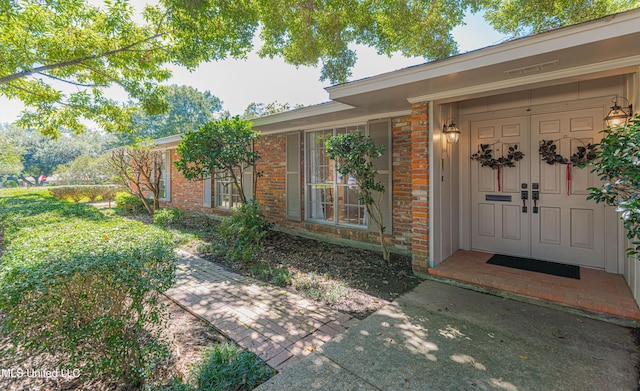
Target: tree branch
(70, 81)
(76, 61)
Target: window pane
(326, 188)
(321, 202)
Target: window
(226, 194)
(165, 184)
(332, 197)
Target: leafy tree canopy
(10, 157)
(525, 17)
(256, 110)
(85, 170)
(50, 44)
(222, 148)
(187, 109)
(41, 155)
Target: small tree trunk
(376, 216)
(145, 202)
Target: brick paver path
(277, 325)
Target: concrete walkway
(277, 325)
(442, 337)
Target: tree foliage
(85, 170)
(354, 154)
(187, 109)
(41, 155)
(223, 148)
(90, 48)
(139, 169)
(256, 110)
(519, 18)
(619, 168)
(10, 157)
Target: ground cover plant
(78, 283)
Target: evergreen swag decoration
(485, 157)
(585, 154)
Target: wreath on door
(585, 154)
(484, 156)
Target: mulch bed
(374, 283)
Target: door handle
(524, 195)
(535, 196)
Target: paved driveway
(442, 337)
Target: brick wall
(184, 194)
(409, 232)
(272, 167)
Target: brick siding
(409, 232)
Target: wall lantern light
(618, 116)
(451, 131)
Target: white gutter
(301, 114)
(168, 140)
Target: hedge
(77, 283)
(81, 192)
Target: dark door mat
(534, 265)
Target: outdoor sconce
(617, 115)
(451, 131)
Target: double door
(535, 209)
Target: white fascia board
(532, 79)
(612, 26)
(340, 123)
(302, 113)
(167, 140)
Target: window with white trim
(165, 184)
(227, 195)
(331, 197)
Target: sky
(240, 82)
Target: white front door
(564, 226)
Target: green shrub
(167, 217)
(243, 232)
(227, 367)
(85, 192)
(129, 204)
(10, 183)
(224, 367)
(77, 283)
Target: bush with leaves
(222, 148)
(618, 165)
(242, 233)
(128, 204)
(167, 217)
(227, 367)
(76, 283)
(10, 183)
(224, 367)
(90, 192)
